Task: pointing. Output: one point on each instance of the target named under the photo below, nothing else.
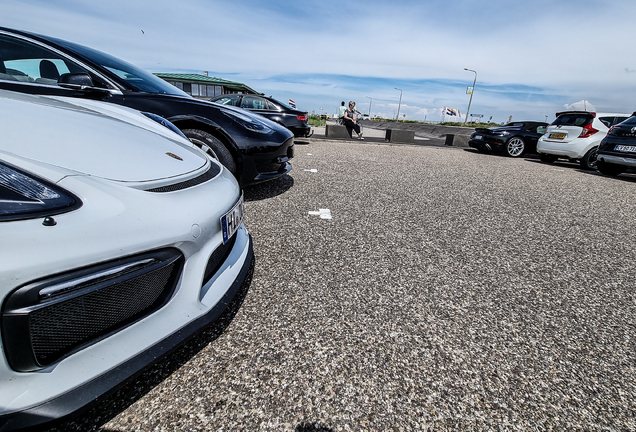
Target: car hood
(69, 134)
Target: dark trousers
(351, 125)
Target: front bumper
(116, 222)
(261, 166)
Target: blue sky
(532, 58)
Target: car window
(573, 120)
(24, 61)
(253, 102)
(271, 106)
(541, 129)
(630, 121)
(618, 120)
(228, 100)
(607, 121)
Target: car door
(30, 66)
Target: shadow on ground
(135, 389)
(312, 427)
(269, 189)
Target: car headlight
(25, 196)
(248, 122)
(504, 133)
(163, 122)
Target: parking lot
(447, 290)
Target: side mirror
(76, 81)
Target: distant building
(204, 86)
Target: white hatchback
(119, 239)
(575, 136)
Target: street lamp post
(471, 94)
(399, 105)
(370, 100)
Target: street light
(471, 94)
(400, 104)
(370, 100)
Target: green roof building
(204, 86)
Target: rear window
(573, 120)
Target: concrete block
(457, 140)
(400, 136)
(336, 131)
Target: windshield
(284, 105)
(574, 119)
(135, 77)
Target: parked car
(120, 239)
(617, 151)
(293, 119)
(575, 136)
(513, 139)
(253, 148)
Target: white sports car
(118, 240)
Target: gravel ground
(450, 291)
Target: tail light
(302, 117)
(587, 131)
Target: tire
(547, 158)
(588, 162)
(515, 147)
(609, 169)
(213, 147)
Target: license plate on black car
(479, 137)
(624, 148)
(231, 220)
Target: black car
(514, 139)
(617, 151)
(293, 119)
(253, 148)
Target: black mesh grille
(38, 329)
(59, 328)
(208, 175)
(217, 258)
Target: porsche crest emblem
(174, 156)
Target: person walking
(350, 120)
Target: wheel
(547, 158)
(588, 162)
(515, 147)
(213, 147)
(609, 169)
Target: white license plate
(231, 220)
(479, 137)
(624, 148)
(557, 135)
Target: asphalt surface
(450, 290)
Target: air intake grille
(208, 175)
(217, 258)
(59, 325)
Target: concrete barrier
(400, 136)
(336, 131)
(457, 140)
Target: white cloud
(580, 106)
